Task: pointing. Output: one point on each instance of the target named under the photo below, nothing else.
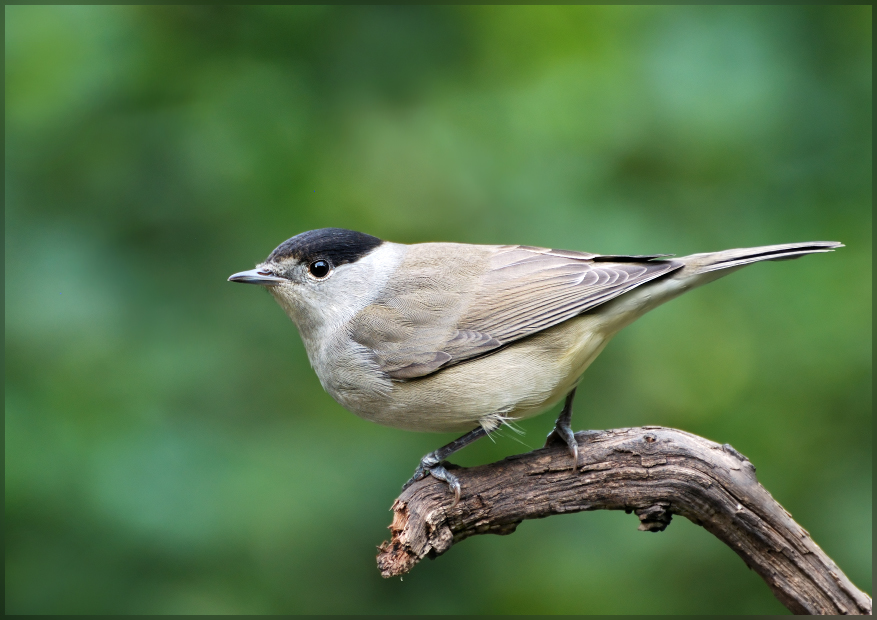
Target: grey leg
(430, 465)
(563, 432)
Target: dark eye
(319, 268)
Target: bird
(455, 337)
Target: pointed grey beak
(257, 276)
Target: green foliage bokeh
(168, 448)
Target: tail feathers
(714, 261)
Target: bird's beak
(256, 276)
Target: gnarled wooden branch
(652, 471)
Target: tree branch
(652, 471)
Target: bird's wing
(453, 311)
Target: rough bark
(652, 471)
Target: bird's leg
(563, 432)
(431, 464)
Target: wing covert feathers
(467, 301)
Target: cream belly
(517, 382)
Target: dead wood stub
(653, 472)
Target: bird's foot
(563, 433)
(431, 465)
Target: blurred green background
(168, 448)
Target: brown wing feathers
(445, 317)
(546, 289)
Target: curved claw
(565, 434)
(428, 466)
(443, 474)
(432, 463)
(574, 450)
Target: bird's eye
(319, 269)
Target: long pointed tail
(728, 259)
(697, 270)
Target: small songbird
(456, 337)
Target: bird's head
(317, 275)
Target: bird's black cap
(337, 245)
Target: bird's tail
(729, 259)
(696, 270)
